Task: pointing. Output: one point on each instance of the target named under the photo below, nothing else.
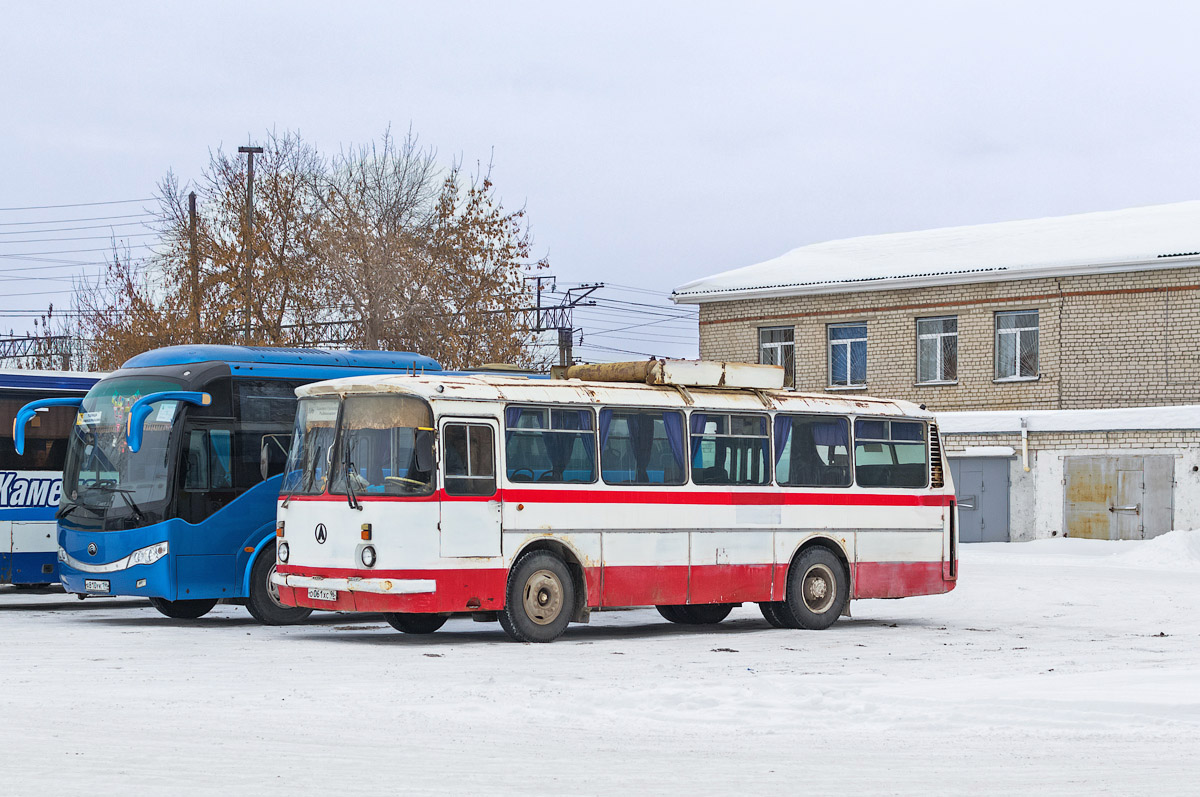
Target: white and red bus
(537, 501)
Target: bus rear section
(31, 482)
(535, 504)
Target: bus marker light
(141, 582)
(366, 531)
(279, 529)
(248, 549)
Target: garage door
(981, 486)
(1119, 498)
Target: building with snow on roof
(1050, 347)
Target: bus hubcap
(818, 589)
(543, 597)
(273, 589)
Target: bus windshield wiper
(129, 502)
(63, 511)
(351, 497)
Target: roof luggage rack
(683, 373)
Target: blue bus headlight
(283, 551)
(148, 555)
(368, 556)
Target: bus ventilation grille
(935, 458)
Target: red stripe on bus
(696, 498)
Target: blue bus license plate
(94, 585)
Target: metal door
(1119, 498)
(470, 524)
(981, 487)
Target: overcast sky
(652, 143)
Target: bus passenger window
(642, 447)
(207, 460)
(470, 459)
(729, 449)
(549, 445)
(890, 453)
(812, 451)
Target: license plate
(322, 594)
(94, 585)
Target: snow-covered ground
(1057, 667)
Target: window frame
(770, 451)
(849, 419)
(889, 418)
(595, 431)
(789, 366)
(830, 343)
(1016, 332)
(938, 336)
(687, 464)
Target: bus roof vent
(685, 373)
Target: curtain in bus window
(814, 451)
(642, 447)
(890, 453)
(549, 445)
(729, 449)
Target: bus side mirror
(141, 409)
(273, 452)
(423, 445)
(26, 413)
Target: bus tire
(540, 598)
(817, 589)
(672, 614)
(411, 623)
(696, 613)
(263, 602)
(184, 610)
(773, 612)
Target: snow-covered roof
(1158, 236)
(1184, 416)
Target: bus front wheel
(183, 610)
(817, 589)
(263, 603)
(540, 599)
(414, 623)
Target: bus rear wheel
(183, 610)
(817, 589)
(697, 613)
(540, 599)
(414, 623)
(263, 603)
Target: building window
(1017, 345)
(847, 355)
(937, 349)
(777, 346)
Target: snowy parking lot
(1057, 667)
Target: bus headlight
(368, 556)
(148, 555)
(283, 552)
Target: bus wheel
(414, 623)
(817, 589)
(184, 610)
(672, 613)
(775, 614)
(540, 599)
(263, 603)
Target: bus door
(470, 524)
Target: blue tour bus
(30, 485)
(173, 470)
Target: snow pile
(1178, 550)
(1159, 235)
(1184, 416)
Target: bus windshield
(307, 470)
(101, 472)
(379, 440)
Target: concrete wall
(1117, 340)
(1036, 498)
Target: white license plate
(95, 585)
(322, 594)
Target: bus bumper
(133, 562)
(412, 591)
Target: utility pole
(194, 263)
(250, 153)
(560, 317)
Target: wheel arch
(574, 561)
(258, 548)
(831, 544)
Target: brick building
(1068, 314)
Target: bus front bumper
(120, 577)
(378, 586)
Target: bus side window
(470, 459)
(549, 445)
(642, 447)
(208, 460)
(890, 453)
(195, 461)
(729, 449)
(812, 451)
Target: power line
(73, 229)
(68, 251)
(81, 204)
(65, 221)
(76, 238)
